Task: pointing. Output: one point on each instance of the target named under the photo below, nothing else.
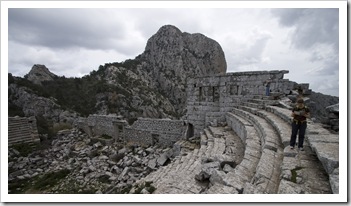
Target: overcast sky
(74, 42)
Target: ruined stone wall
(22, 130)
(100, 124)
(210, 97)
(161, 132)
(144, 131)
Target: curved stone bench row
(245, 171)
(322, 142)
(308, 170)
(267, 176)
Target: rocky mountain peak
(40, 73)
(171, 56)
(194, 54)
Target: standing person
(300, 113)
(268, 84)
(300, 93)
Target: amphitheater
(233, 140)
(244, 142)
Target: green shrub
(61, 126)
(105, 136)
(24, 148)
(294, 174)
(51, 179)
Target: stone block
(328, 154)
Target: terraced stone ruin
(230, 139)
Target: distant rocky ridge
(40, 73)
(34, 105)
(151, 85)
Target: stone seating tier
(267, 164)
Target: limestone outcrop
(38, 106)
(40, 73)
(172, 56)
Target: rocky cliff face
(171, 56)
(34, 105)
(40, 73)
(154, 82)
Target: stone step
(322, 142)
(234, 146)
(266, 178)
(302, 173)
(283, 186)
(281, 126)
(14, 121)
(283, 113)
(19, 127)
(217, 132)
(20, 138)
(203, 139)
(244, 171)
(178, 177)
(269, 137)
(284, 130)
(264, 101)
(23, 141)
(254, 105)
(14, 133)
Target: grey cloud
(63, 28)
(329, 67)
(312, 26)
(288, 17)
(252, 51)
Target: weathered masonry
(162, 132)
(210, 97)
(208, 100)
(145, 131)
(101, 124)
(22, 130)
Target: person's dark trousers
(267, 91)
(298, 127)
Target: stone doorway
(189, 131)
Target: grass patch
(37, 184)
(61, 126)
(24, 148)
(50, 179)
(19, 186)
(105, 136)
(294, 174)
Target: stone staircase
(217, 145)
(255, 145)
(22, 130)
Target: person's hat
(300, 101)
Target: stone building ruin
(144, 131)
(208, 99)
